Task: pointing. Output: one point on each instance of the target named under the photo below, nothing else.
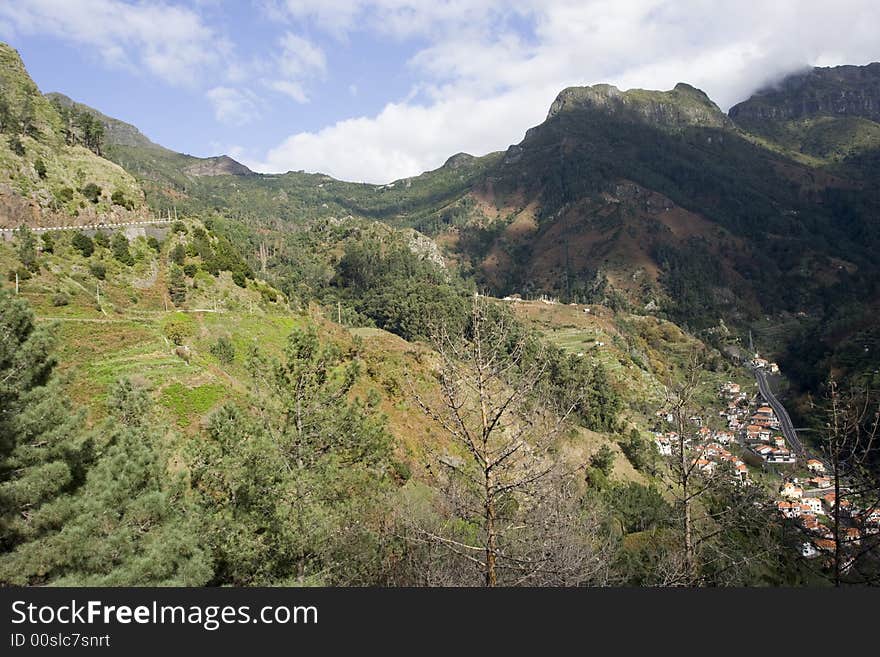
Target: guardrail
(39, 229)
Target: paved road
(92, 226)
(784, 420)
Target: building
(816, 466)
(814, 504)
(791, 491)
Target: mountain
(830, 91)
(683, 106)
(116, 132)
(654, 201)
(249, 395)
(50, 169)
(831, 114)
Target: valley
(504, 371)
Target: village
(750, 435)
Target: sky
(377, 90)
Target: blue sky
(377, 90)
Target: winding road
(785, 422)
(40, 229)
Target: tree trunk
(491, 536)
(837, 556)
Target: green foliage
(177, 255)
(40, 168)
(639, 508)
(638, 451)
(223, 350)
(43, 451)
(178, 327)
(399, 290)
(178, 227)
(119, 247)
(188, 402)
(118, 198)
(92, 192)
(98, 270)
(153, 243)
(176, 285)
(27, 248)
(603, 460)
(83, 243)
(102, 239)
(60, 299)
(22, 274)
(16, 145)
(80, 126)
(48, 243)
(190, 269)
(129, 525)
(597, 404)
(292, 485)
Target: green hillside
(50, 172)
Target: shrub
(176, 285)
(48, 243)
(603, 460)
(65, 195)
(153, 243)
(92, 192)
(40, 168)
(178, 254)
(638, 451)
(23, 274)
(223, 350)
(178, 227)
(239, 278)
(119, 245)
(190, 269)
(98, 270)
(101, 239)
(118, 198)
(178, 328)
(83, 243)
(16, 146)
(60, 299)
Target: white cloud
(298, 61)
(490, 68)
(170, 42)
(233, 106)
(300, 57)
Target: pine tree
(293, 485)
(43, 452)
(176, 285)
(131, 524)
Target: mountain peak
(459, 160)
(852, 91)
(222, 165)
(117, 133)
(680, 107)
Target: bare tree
(850, 450)
(500, 476)
(709, 503)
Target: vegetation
(289, 385)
